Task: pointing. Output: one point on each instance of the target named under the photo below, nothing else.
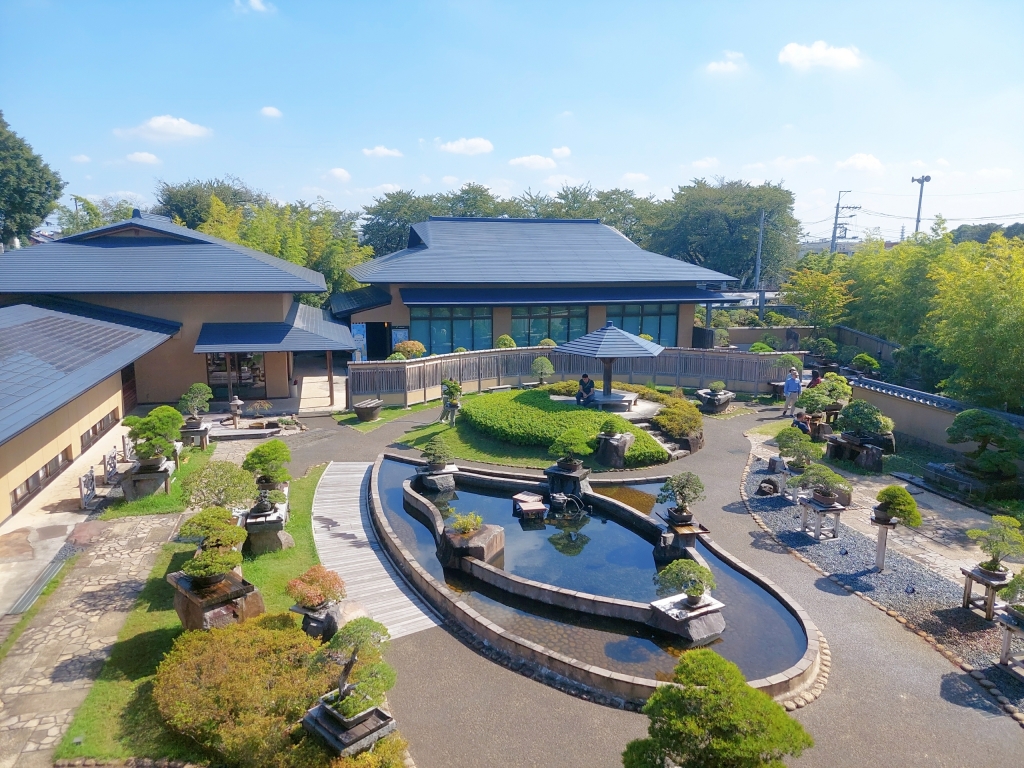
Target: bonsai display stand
(438, 480)
(611, 449)
(145, 481)
(677, 539)
(571, 483)
(200, 432)
(869, 457)
(699, 624)
(986, 604)
(528, 505)
(486, 543)
(351, 738)
(825, 523)
(230, 601)
(883, 536)
(324, 622)
(715, 402)
(1010, 627)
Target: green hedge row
(531, 417)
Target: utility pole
(921, 180)
(757, 270)
(835, 224)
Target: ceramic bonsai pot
(205, 582)
(994, 575)
(569, 465)
(152, 463)
(680, 516)
(823, 498)
(694, 600)
(882, 514)
(436, 466)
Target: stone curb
(986, 685)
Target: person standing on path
(791, 390)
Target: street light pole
(920, 197)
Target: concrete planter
(715, 402)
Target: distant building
(844, 245)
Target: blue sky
(349, 100)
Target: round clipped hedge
(531, 417)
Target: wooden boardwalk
(346, 543)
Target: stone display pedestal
(675, 541)
(611, 449)
(347, 736)
(700, 624)
(715, 402)
(229, 602)
(324, 623)
(487, 543)
(866, 456)
(571, 483)
(267, 536)
(986, 604)
(145, 481)
(439, 481)
(883, 536)
(197, 435)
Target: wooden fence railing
(412, 381)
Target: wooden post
(330, 376)
(227, 360)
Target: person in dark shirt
(802, 422)
(815, 379)
(585, 394)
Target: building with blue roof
(463, 282)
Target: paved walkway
(346, 544)
(48, 672)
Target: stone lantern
(236, 409)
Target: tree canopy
(822, 295)
(29, 188)
(85, 214)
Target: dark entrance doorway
(129, 396)
(378, 342)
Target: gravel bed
(925, 599)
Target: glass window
(521, 331)
(444, 329)
(248, 375)
(656, 320)
(560, 323)
(52, 468)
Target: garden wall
(744, 334)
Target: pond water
(597, 555)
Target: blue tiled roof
(53, 350)
(481, 251)
(587, 294)
(611, 342)
(306, 329)
(359, 300)
(149, 254)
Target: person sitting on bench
(585, 394)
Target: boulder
(486, 543)
(325, 622)
(442, 481)
(611, 449)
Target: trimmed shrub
(757, 346)
(823, 347)
(790, 361)
(1000, 540)
(466, 523)
(394, 357)
(542, 368)
(846, 353)
(646, 337)
(316, 586)
(206, 523)
(777, 319)
(155, 433)
(573, 443)
(219, 484)
(565, 388)
(505, 342)
(771, 340)
(679, 420)
(460, 349)
(238, 691)
(864, 363)
(225, 537)
(684, 576)
(862, 417)
(547, 343)
(411, 349)
(900, 504)
(211, 562)
(716, 386)
(266, 462)
(436, 450)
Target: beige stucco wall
(597, 316)
(163, 374)
(684, 330)
(27, 453)
(501, 322)
(745, 335)
(920, 421)
(395, 313)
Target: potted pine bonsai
(895, 501)
(266, 462)
(211, 566)
(1013, 594)
(154, 434)
(685, 489)
(542, 368)
(687, 577)
(194, 401)
(825, 484)
(437, 454)
(860, 420)
(365, 677)
(569, 447)
(1000, 540)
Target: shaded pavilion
(608, 344)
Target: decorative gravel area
(923, 601)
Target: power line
(948, 194)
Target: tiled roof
(568, 294)
(611, 342)
(306, 329)
(359, 300)
(480, 251)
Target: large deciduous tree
(29, 188)
(822, 295)
(85, 214)
(189, 202)
(716, 226)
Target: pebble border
(987, 685)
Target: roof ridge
(510, 219)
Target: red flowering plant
(316, 586)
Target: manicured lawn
(118, 718)
(464, 442)
(771, 427)
(387, 415)
(192, 459)
(37, 606)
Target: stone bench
(616, 399)
(368, 410)
(501, 388)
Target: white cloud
(340, 174)
(861, 162)
(561, 152)
(705, 162)
(994, 173)
(165, 127)
(146, 158)
(385, 188)
(424, 179)
(634, 178)
(381, 151)
(254, 5)
(534, 162)
(733, 62)
(942, 161)
(80, 159)
(476, 146)
(271, 112)
(450, 180)
(820, 54)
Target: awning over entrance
(525, 295)
(305, 329)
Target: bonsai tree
(820, 478)
(896, 501)
(547, 343)
(410, 349)
(155, 433)
(716, 386)
(788, 439)
(1013, 592)
(684, 576)
(864, 363)
(436, 451)
(796, 446)
(770, 340)
(571, 445)
(789, 361)
(219, 484)
(394, 357)
(196, 400)
(266, 462)
(759, 346)
(211, 562)
(206, 523)
(365, 677)
(316, 587)
(986, 429)
(452, 390)
(505, 342)
(824, 348)
(862, 418)
(259, 407)
(1000, 540)
(832, 389)
(611, 427)
(466, 523)
(684, 489)
(542, 368)
(711, 717)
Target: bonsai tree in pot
(864, 363)
(196, 400)
(155, 433)
(687, 577)
(1000, 540)
(823, 482)
(797, 446)
(266, 462)
(684, 489)
(988, 430)
(569, 447)
(789, 361)
(896, 501)
(466, 523)
(611, 427)
(542, 368)
(824, 349)
(219, 484)
(860, 419)
(832, 390)
(317, 588)
(437, 454)
(211, 566)
(365, 677)
(1013, 594)
(215, 528)
(259, 407)
(716, 387)
(452, 390)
